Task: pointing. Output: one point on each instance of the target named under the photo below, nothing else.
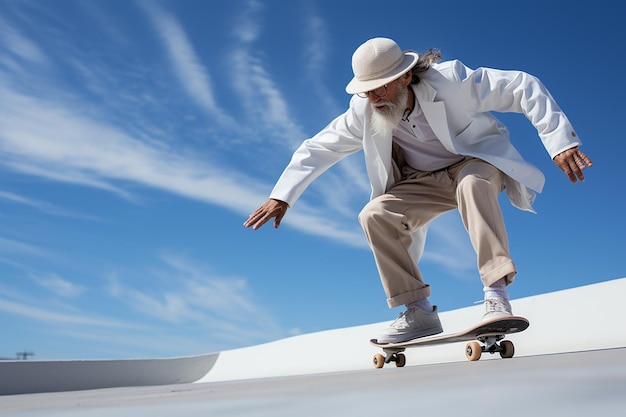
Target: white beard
(383, 122)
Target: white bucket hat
(378, 62)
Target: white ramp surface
(571, 361)
(20, 377)
(574, 384)
(557, 324)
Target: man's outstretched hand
(275, 209)
(572, 162)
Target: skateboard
(484, 337)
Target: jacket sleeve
(342, 137)
(488, 89)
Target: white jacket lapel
(435, 113)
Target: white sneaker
(411, 324)
(497, 308)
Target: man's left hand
(572, 162)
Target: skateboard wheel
(379, 360)
(473, 351)
(400, 360)
(508, 349)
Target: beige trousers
(470, 185)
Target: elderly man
(431, 144)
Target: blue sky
(137, 136)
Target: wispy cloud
(183, 291)
(44, 206)
(55, 140)
(192, 74)
(58, 286)
(249, 22)
(316, 45)
(47, 315)
(12, 246)
(262, 99)
(43, 138)
(65, 174)
(19, 45)
(224, 310)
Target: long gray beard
(384, 123)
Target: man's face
(388, 97)
(388, 108)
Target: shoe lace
(490, 306)
(403, 319)
(495, 305)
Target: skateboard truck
(473, 350)
(391, 355)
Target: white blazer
(456, 102)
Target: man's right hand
(271, 209)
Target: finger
(577, 172)
(251, 219)
(278, 219)
(277, 213)
(584, 160)
(258, 223)
(254, 219)
(248, 222)
(570, 173)
(565, 166)
(570, 166)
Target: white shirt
(422, 150)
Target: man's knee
(370, 211)
(479, 175)
(470, 182)
(474, 183)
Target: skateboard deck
(484, 337)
